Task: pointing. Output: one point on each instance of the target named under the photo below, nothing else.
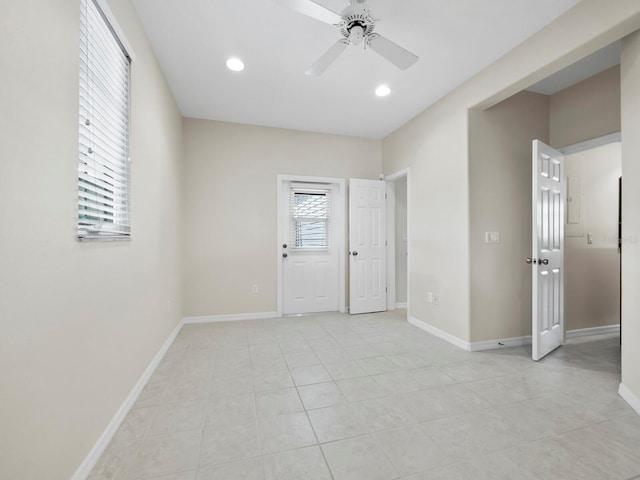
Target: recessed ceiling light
(383, 91)
(235, 64)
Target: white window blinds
(103, 168)
(309, 218)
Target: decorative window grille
(310, 218)
(103, 167)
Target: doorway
(592, 254)
(398, 240)
(311, 245)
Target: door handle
(531, 260)
(284, 255)
(544, 261)
(355, 254)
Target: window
(103, 167)
(310, 218)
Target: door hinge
(385, 196)
(386, 289)
(385, 243)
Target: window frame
(293, 219)
(104, 180)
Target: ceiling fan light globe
(356, 35)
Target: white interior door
(367, 250)
(548, 250)
(310, 253)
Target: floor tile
(340, 370)
(248, 469)
(362, 388)
(310, 375)
(337, 422)
(301, 464)
(222, 404)
(301, 359)
(167, 454)
(272, 381)
(411, 450)
(377, 365)
(285, 432)
(358, 459)
(224, 445)
(230, 410)
(178, 417)
(278, 402)
(321, 395)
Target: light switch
(492, 237)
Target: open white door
(548, 250)
(367, 249)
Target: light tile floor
(371, 397)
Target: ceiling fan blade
(328, 58)
(394, 53)
(313, 9)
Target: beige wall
(230, 206)
(592, 271)
(630, 75)
(401, 239)
(80, 321)
(435, 146)
(500, 198)
(586, 110)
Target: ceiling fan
(356, 26)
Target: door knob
(284, 245)
(284, 255)
(355, 254)
(544, 261)
(530, 261)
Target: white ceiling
(454, 39)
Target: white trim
(98, 449)
(401, 305)
(340, 219)
(113, 23)
(629, 397)
(500, 343)
(585, 332)
(390, 207)
(232, 317)
(593, 143)
(440, 334)
(405, 172)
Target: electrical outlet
(254, 288)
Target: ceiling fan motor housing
(357, 23)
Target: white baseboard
(506, 342)
(584, 332)
(98, 449)
(440, 334)
(233, 317)
(401, 305)
(630, 398)
(500, 343)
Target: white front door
(367, 265)
(548, 250)
(310, 253)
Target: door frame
(391, 236)
(340, 235)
